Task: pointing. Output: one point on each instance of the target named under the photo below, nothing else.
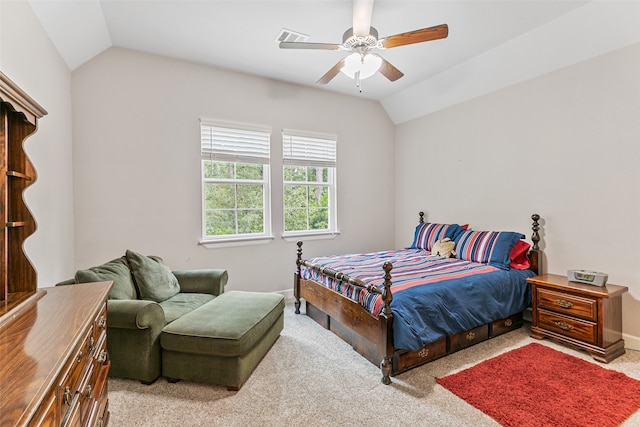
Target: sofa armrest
(205, 281)
(135, 314)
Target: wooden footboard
(372, 336)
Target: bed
(401, 309)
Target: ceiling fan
(362, 40)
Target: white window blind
(233, 144)
(308, 150)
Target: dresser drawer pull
(102, 322)
(563, 325)
(91, 344)
(66, 397)
(89, 391)
(564, 304)
(102, 357)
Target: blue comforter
(432, 297)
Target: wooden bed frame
(372, 336)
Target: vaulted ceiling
(490, 43)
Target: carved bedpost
(421, 217)
(535, 238)
(534, 254)
(296, 278)
(387, 297)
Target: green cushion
(116, 271)
(155, 280)
(183, 303)
(230, 325)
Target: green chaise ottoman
(222, 341)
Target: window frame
(238, 155)
(325, 159)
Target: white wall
(28, 57)
(137, 156)
(564, 145)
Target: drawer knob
(564, 304)
(102, 322)
(91, 344)
(563, 325)
(102, 357)
(66, 397)
(470, 336)
(89, 391)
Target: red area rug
(537, 386)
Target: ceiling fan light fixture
(367, 65)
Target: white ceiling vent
(290, 36)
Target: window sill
(238, 241)
(310, 235)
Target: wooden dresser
(53, 342)
(53, 358)
(585, 316)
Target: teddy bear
(444, 248)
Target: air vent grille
(290, 36)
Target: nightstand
(584, 316)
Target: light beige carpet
(311, 377)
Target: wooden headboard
(535, 254)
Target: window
(309, 171)
(235, 182)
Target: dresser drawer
(572, 305)
(100, 322)
(77, 366)
(568, 326)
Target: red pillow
(518, 256)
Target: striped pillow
(487, 247)
(428, 234)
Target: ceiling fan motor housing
(350, 41)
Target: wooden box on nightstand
(585, 316)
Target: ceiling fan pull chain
(358, 82)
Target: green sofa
(147, 296)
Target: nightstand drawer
(568, 326)
(572, 305)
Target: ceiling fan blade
(389, 71)
(417, 36)
(329, 75)
(362, 11)
(305, 45)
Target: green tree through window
(309, 183)
(235, 176)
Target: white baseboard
(631, 342)
(288, 295)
